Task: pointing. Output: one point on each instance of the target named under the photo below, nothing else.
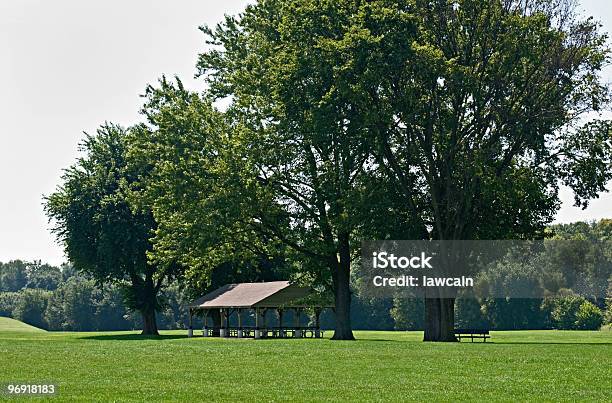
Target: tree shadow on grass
(132, 337)
(139, 337)
(493, 342)
(555, 343)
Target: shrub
(565, 310)
(571, 311)
(588, 317)
(8, 302)
(31, 307)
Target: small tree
(103, 234)
(563, 309)
(13, 276)
(588, 317)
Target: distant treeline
(565, 308)
(61, 298)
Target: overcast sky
(68, 66)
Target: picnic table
(472, 334)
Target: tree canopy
(103, 234)
(473, 110)
(346, 120)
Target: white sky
(68, 66)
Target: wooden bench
(472, 334)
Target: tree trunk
(440, 319)
(149, 322)
(342, 292)
(146, 297)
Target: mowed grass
(379, 366)
(12, 325)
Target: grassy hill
(379, 366)
(12, 325)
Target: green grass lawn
(12, 325)
(380, 366)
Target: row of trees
(18, 274)
(346, 120)
(67, 300)
(569, 312)
(569, 277)
(77, 303)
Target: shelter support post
(257, 324)
(317, 323)
(205, 328)
(297, 332)
(281, 331)
(222, 330)
(227, 313)
(239, 311)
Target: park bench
(472, 334)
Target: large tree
(102, 232)
(305, 147)
(226, 197)
(196, 192)
(471, 108)
(482, 112)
